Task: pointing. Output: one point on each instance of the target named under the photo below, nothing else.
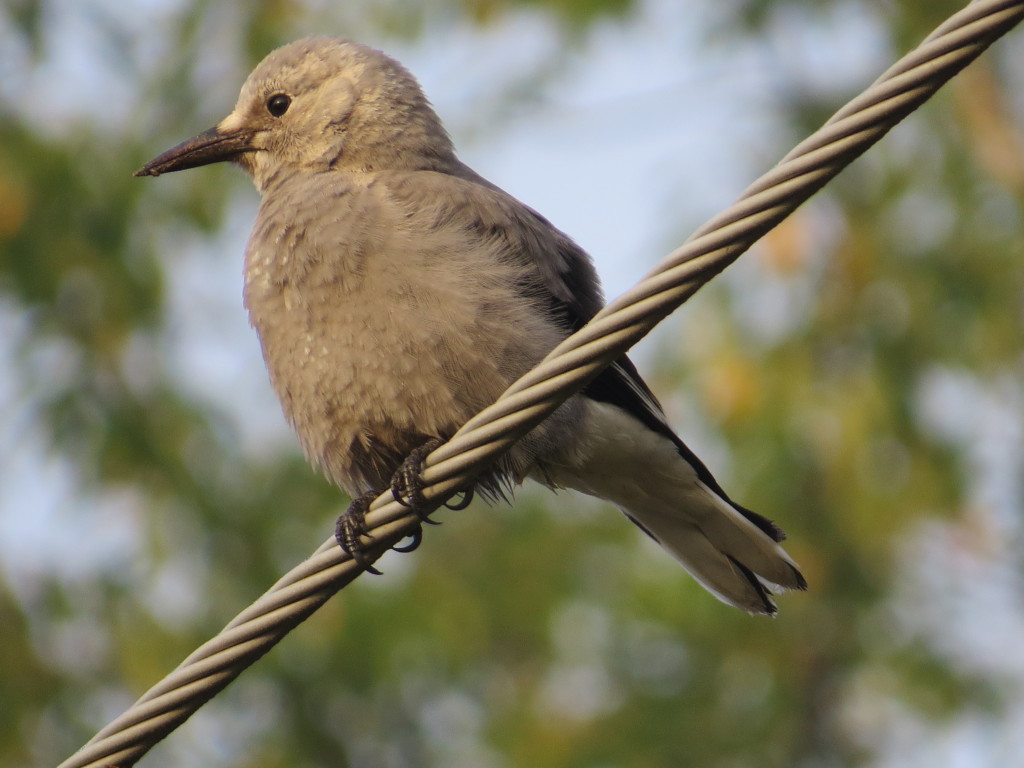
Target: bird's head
(318, 104)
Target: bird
(396, 292)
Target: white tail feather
(619, 459)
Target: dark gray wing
(574, 297)
(564, 282)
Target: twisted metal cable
(451, 467)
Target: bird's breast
(376, 343)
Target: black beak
(212, 146)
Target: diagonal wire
(452, 466)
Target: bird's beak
(212, 146)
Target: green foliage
(551, 633)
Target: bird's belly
(363, 382)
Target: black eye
(278, 104)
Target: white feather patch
(619, 459)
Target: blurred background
(856, 377)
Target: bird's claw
(417, 538)
(407, 490)
(465, 501)
(407, 485)
(351, 526)
(417, 534)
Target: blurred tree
(844, 368)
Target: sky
(698, 119)
(641, 133)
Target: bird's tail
(730, 556)
(732, 552)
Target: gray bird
(396, 293)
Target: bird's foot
(407, 489)
(407, 485)
(350, 528)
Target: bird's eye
(278, 104)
